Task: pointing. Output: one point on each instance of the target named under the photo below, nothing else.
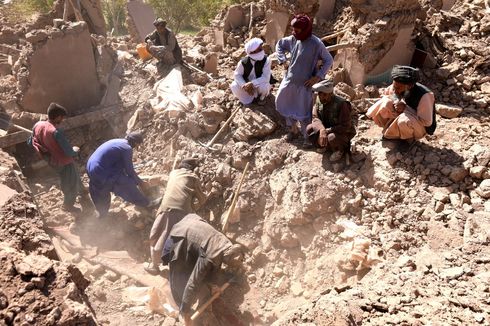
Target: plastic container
(142, 52)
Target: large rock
(448, 111)
(252, 124)
(484, 189)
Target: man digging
(183, 187)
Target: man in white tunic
(252, 74)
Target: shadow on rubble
(435, 166)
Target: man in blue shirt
(110, 169)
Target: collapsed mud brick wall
(381, 32)
(139, 20)
(61, 67)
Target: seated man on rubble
(110, 169)
(51, 144)
(182, 187)
(163, 45)
(331, 127)
(194, 251)
(406, 110)
(253, 74)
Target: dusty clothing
(415, 122)
(51, 144)
(110, 169)
(166, 48)
(196, 250)
(182, 187)
(336, 118)
(294, 100)
(257, 72)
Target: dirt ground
(397, 235)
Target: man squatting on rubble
(50, 144)
(194, 252)
(252, 74)
(183, 187)
(331, 128)
(294, 98)
(110, 169)
(163, 45)
(407, 108)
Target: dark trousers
(122, 186)
(70, 185)
(335, 141)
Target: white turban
(253, 44)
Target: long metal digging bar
(220, 131)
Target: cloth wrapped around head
(159, 22)
(252, 46)
(304, 23)
(324, 86)
(405, 74)
(134, 138)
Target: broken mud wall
(35, 288)
(381, 35)
(325, 10)
(139, 20)
(60, 68)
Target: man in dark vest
(51, 144)
(406, 109)
(252, 74)
(163, 45)
(331, 127)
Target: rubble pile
(36, 287)
(388, 237)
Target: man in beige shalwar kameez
(406, 109)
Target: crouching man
(194, 252)
(252, 74)
(407, 109)
(163, 45)
(331, 128)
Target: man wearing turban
(407, 108)
(294, 99)
(110, 169)
(331, 128)
(252, 74)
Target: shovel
(235, 199)
(209, 145)
(6, 123)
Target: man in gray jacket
(194, 252)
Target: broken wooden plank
(340, 46)
(333, 35)
(70, 123)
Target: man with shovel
(51, 144)
(194, 251)
(183, 187)
(163, 45)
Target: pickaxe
(209, 145)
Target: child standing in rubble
(51, 144)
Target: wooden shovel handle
(235, 198)
(208, 303)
